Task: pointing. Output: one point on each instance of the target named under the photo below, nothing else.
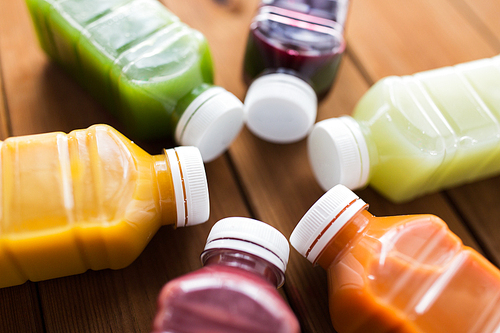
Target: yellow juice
(90, 199)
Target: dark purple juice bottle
(236, 291)
(291, 60)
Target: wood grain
(483, 15)
(478, 202)
(4, 113)
(398, 38)
(258, 179)
(20, 310)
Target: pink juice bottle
(236, 291)
(292, 56)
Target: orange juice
(90, 199)
(397, 274)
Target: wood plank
(398, 38)
(483, 14)
(385, 38)
(478, 203)
(20, 311)
(4, 115)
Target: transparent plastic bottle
(397, 274)
(235, 292)
(417, 134)
(149, 69)
(292, 56)
(90, 199)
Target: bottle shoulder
(217, 276)
(236, 283)
(448, 104)
(415, 240)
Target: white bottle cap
(338, 153)
(211, 122)
(324, 220)
(250, 236)
(190, 185)
(280, 108)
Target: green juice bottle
(416, 134)
(150, 70)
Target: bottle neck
(367, 151)
(246, 262)
(166, 192)
(348, 235)
(371, 148)
(332, 10)
(185, 101)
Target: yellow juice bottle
(415, 134)
(90, 199)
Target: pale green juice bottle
(416, 134)
(139, 60)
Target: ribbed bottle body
(134, 56)
(411, 274)
(433, 130)
(73, 202)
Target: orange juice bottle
(90, 199)
(397, 274)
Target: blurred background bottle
(293, 53)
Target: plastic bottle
(235, 292)
(90, 199)
(397, 274)
(150, 70)
(416, 134)
(293, 53)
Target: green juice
(139, 60)
(417, 134)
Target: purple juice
(292, 56)
(302, 38)
(236, 290)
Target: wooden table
(273, 183)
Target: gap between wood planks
(475, 21)
(5, 124)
